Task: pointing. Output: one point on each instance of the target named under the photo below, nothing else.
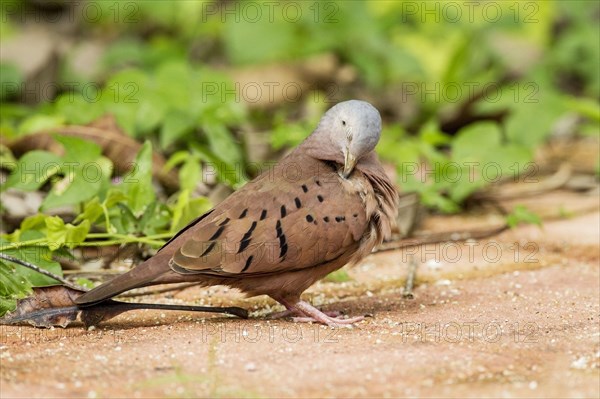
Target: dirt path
(522, 321)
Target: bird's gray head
(352, 129)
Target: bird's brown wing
(276, 225)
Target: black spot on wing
(298, 203)
(243, 245)
(309, 218)
(263, 214)
(283, 247)
(210, 247)
(244, 213)
(247, 237)
(326, 219)
(217, 233)
(340, 218)
(248, 262)
(304, 188)
(180, 232)
(224, 222)
(283, 211)
(320, 198)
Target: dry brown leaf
(116, 145)
(47, 307)
(55, 306)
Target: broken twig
(410, 279)
(434, 238)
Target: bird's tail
(139, 276)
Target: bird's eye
(344, 123)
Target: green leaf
(150, 113)
(78, 185)
(175, 125)
(190, 174)
(33, 169)
(40, 256)
(78, 109)
(40, 122)
(434, 199)
(7, 160)
(125, 114)
(186, 210)
(6, 304)
(522, 215)
(138, 182)
(34, 222)
(113, 197)
(12, 284)
(84, 282)
(585, 107)
(431, 134)
(11, 80)
(221, 143)
(474, 141)
(338, 276)
(56, 231)
(537, 105)
(126, 221)
(78, 151)
(155, 219)
(176, 159)
(60, 234)
(245, 40)
(92, 210)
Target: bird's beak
(349, 163)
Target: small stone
(580, 363)
(433, 264)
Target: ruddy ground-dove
(326, 204)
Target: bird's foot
(299, 316)
(312, 314)
(332, 321)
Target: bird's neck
(320, 147)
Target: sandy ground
(514, 316)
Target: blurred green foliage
(475, 89)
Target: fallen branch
(410, 278)
(436, 238)
(537, 187)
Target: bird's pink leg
(308, 313)
(314, 314)
(297, 315)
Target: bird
(324, 205)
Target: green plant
(108, 212)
